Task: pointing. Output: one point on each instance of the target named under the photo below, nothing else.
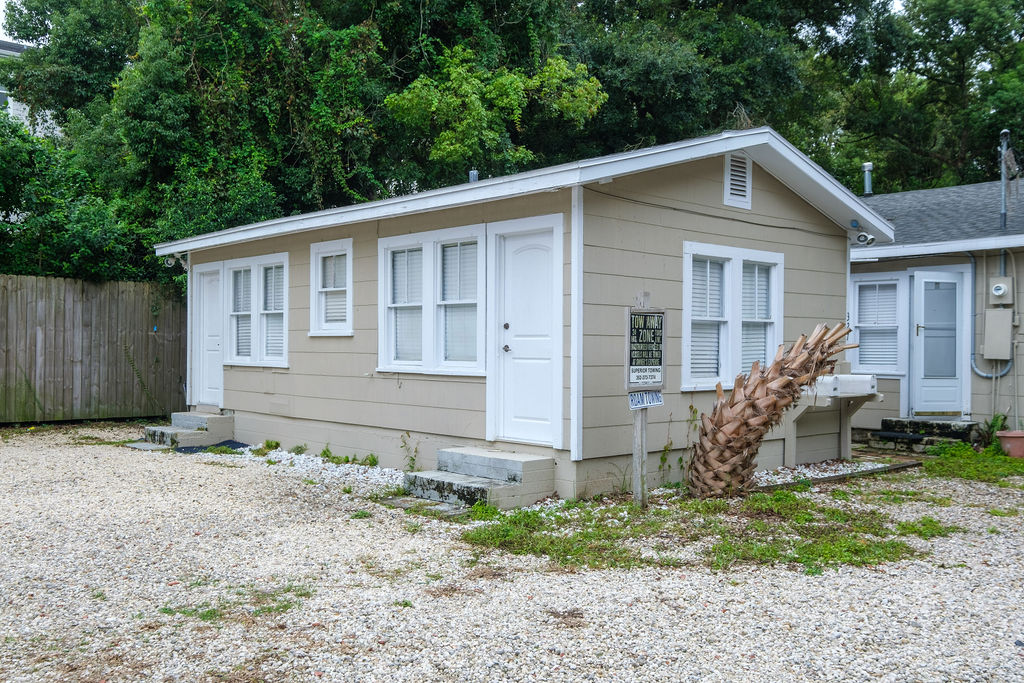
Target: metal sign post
(645, 373)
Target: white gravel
(108, 556)
(819, 470)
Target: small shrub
(346, 489)
(298, 449)
(370, 460)
(272, 445)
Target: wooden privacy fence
(73, 350)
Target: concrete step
(456, 489)
(211, 422)
(903, 442)
(176, 437)
(958, 430)
(494, 464)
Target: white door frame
(194, 345)
(495, 231)
(963, 335)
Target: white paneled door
(525, 336)
(208, 364)
(936, 353)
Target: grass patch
(91, 440)
(202, 612)
(214, 463)
(298, 449)
(482, 512)
(310, 482)
(781, 527)
(960, 461)
(1008, 512)
(361, 514)
(223, 450)
(926, 527)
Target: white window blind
(756, 313)
(732, 313)
(877, 324)
(459, 300)
(407, 303)
(241, 311)
(273, 311)
(334, 274)
(708, 320)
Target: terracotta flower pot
(1012, 443)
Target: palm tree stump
(724, 456)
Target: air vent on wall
(737, 181)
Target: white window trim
(731, 348)
(317, 326)
(432, 362)
(728, 198)
(902, 281)
(256, 327)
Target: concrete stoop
(467, 475)
(902, 435)
(193, 429)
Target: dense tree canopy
(179, 117)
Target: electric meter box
(1000, 291)
(997, 342)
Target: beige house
(491, 314)
(937, 312)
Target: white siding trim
(576, 326)
(931, 248)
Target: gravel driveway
(124, 565)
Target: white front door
(208, 363)
(936, 346)
(526, 388)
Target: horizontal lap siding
(334, 379)
(631, 247)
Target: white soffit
(766, 147)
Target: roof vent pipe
(474, 175)
(867, 167)
(1004, 143)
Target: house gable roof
(945, 220)
(763, 145)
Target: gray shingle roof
(950, 213)
(13, 48)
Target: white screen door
(525, 337)
(936, 353)
(208, 365)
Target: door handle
(917, 331)
(505, 348)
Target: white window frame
(318, 327)
(728, 198)
(257, 327)
(731, 342)
(902, 281)
(432, 357)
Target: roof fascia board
(931, 248)
(776, 153)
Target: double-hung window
(430, 289)
(732, 312)
(330, 288)
(878, 302)
(258, 310)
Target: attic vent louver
(737, 181)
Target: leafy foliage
(181, 117)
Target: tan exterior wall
(1009, 390)
(635, 228)
(332, 381)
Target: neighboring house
(937, 312)
(492, 313)
(16, 109)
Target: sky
(3, 35)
